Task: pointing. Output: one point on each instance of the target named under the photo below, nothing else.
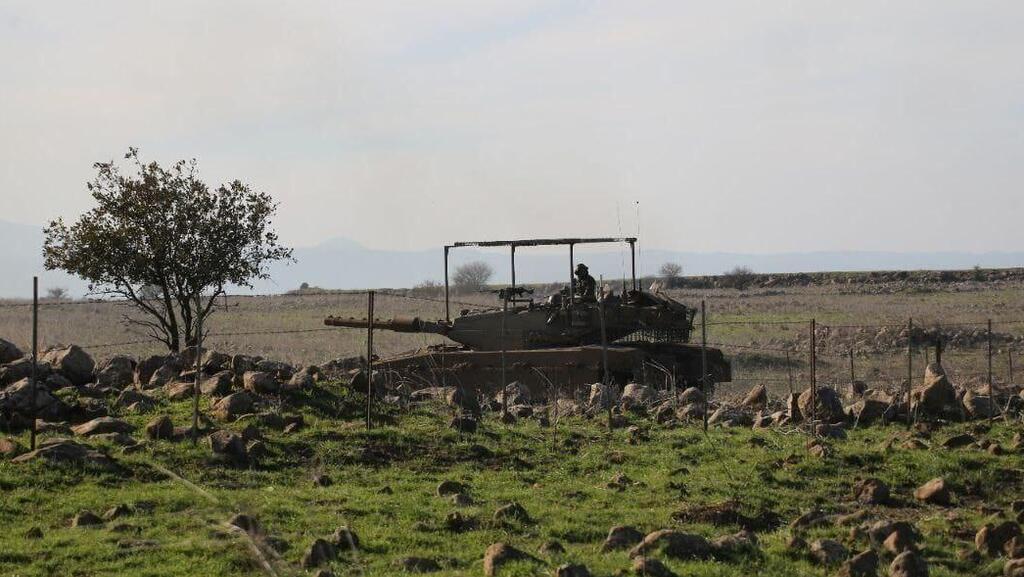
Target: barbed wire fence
(786, 356)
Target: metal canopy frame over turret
(513, 244)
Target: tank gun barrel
(397, 324)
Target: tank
(555, 342)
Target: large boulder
(280, 371)
(146, 367)
(756, 399)
(304, 378)
(936, 396)
(233, 406)
(261, 383)
(464, 400)
(499, 554)
(908, 564)
(17, 398)
(979, 406)
(20, 369)
(167, 373)
(228, 446)
(601, 396)
(935, 491)
(72, 362)
(214, 362)
(9, 352)
(634, 395)
(868, 411)
(516, 393)
(117, 372)
(675, 544)
(101, 426)
(828, 406)
(66, 451)
(217, 385)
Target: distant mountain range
(345, 264)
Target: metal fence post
(704, 360)
(198, 368)
(369, 358)
(991, 392)
(35, 356)
(910, 368)
(814, 372)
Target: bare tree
(739, 277)
(57, 293)
(163, 233)
(671, 272)
(472, 276)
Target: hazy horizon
(739, 127)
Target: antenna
(639, 250)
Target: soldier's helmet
(582, 269)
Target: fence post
(704, 359)
(369, 358)
(991, 392)
(1009, 364)
(814, 373)
(198, 368)
(35, 355)
(789, 372)
(504, 378)
(910, 367)
(606, 378)
(853, 376)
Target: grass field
(384, 489)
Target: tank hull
(563, 368)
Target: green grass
(559, 475)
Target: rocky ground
(284, 479)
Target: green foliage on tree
(162, 239)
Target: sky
(753, 127)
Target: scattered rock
(908, 564)
(86, 519)
(868, 411)
(117, 512)
(619, 482)
(66, 451)
(17, 399)
(622, 537)
(675, 544)
(117, 372)
(72, 362)
(650, 567)
(463, 424)
(345, 539)
(898, 541)
(871, 492)
(980, 406)
(882, 530)
(246, 523)
(304, 378)
(992, 540)
(498, 554)
(217, 385)
(691, 396)
(464, 400)
(102, 425)
(145, 368)
(552, 548)
(936, 396)
(461, 500)
(260, 383)
(863, 564)
(728, 546)
(233, 406)
(512, 510)
(179, 390)
(417, 565)
(934, 491)
(319, 553)
(227, 445)
(1014, 568)
(829, 407)
(958, 441)
(10, 448)
(828, 552)
(572, 570)
(34, 533)
(757, 398)
(163, 375)
(449, 487)
(9, 352)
